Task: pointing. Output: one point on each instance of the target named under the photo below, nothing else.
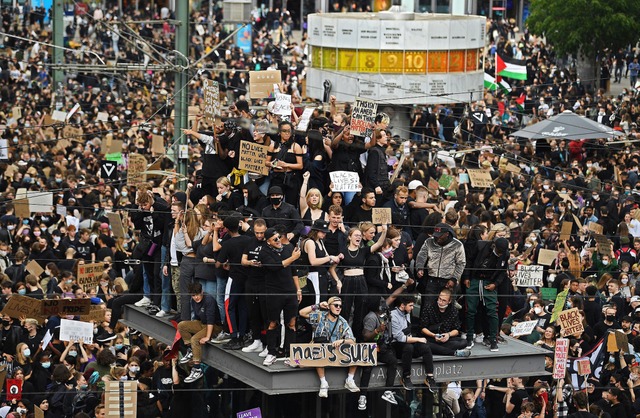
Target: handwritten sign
(433, 185)
(95, 315)
(445, 181)
(345, 181)
(617, 341)
(121, 399)
(560, 362)
(137, 165)
(253, 157)
(19, 306)
(16, 111)
(571, 321)
(523, 328)
(282, 105)
(584, 367)
(21, 207)
(565, 232)
(211, 91)
(251, 413)
(157, 144)
(76, 331)
(381, 216)
(261, 83)
(363, 117)
(604, 245)
(303, 123)
(546, 257)
(529, 276)
(596, 228)
(4, 149)
(115, 222)
(34, 268)
(480, 178)
(73, 307)
(326, 355)
(89, 274)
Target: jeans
(348, 197)
(165, 303)
(221, 284)
(210, 287)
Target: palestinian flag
(520, 102)
(491, 83)
(511, 68)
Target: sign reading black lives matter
(326, 355)
(363, 116)
(528, 276)
(211, 98)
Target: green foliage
(585, 26)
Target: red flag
(520, 100)
(500, 65)
(14, 389)
(175, 345)
(501, 108)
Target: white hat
(414, 184)
(635, 299)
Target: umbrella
(567, 125)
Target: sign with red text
(560, 362)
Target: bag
(320, 340)
(402, 276)
(144, 245)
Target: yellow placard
(316, 56)
(347, 60)
(329, 58)
(368, 61)
(438, 61)
(456, 61)
(415, 62)
(391, 62)
(472, 60)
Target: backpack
(626, 256)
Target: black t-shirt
(252, 250)
(231, 252)
(84, 249)
(518, 397)
(277, 277)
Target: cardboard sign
(96, 314)
(76, 331)
(381, 216)
(565, 232)
(546, 257)
(41, 202)
(529, 276)
(433, 185)
(604, 245)
(480, 178)
(584, 367)
(251, 413)
(345, 181)
(211, 92)
(617, 341)
(121, 399)
(16, 111)
(21, 207)
(326, 355)
(303, 123)
(548, 293)
(523, 328)
(261, 83)
(72, 133)
(560, 362)
(513, 168)
(115, 147)
(73, 307)
(14, 389)
(571, 322)
(596, 227)
(115, 222)
(3, 376)
(157, 144)
(137, 165)
(253, 157)
(19, 306)
(282, 105)
(363, 117)
(34, 268)
(89, 274)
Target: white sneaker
(269, 360)
(351, 385)
(145, 301)
(479, 338)
(324, 391)
(390, 397)
(255, 347)
(362, 403)
(222, 338)
(162, 314)
(264, 353)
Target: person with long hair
(319, 154)
(228, 198)
(186, 230)
(315, 255)
(285, 163)
(311, 203)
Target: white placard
(102, 116)
(303, 123)
(392, 34)
(369, 34)
(406, 148)
(329, 32)
(529, 276)
(4, 149)
(59, 115)
(40, 201)
(560, 361)
(314, 29)
(76, 331)
(347, 34)
(415, 32)
(282, 105)
(345, 181)
(458, 34)
(61, 210)
(523, 328)
(46, 339)
(438, 39)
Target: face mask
(69, 281)
(25, 232)
(612, 359)
(22, 291)
(596, 197)
(569, 304)
(37, 233)
(11, 227)
(5, 323)
(134, 369)
(611, 318)
(537, 310)
(3, 253)
(442, 306)
(624, 281)
(531, 304)
(545, 186)
(56, 239)
(123, 377)
(73, 353)
(275, 201)
(124, 194)
(387, 253)
(58, 181)
(46, 365)
(27, 352)
(119, 346)
(84, 387)
(21, 411)
(605, 262)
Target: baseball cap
(414, 184)
(635, 299)
(440, 229)
(502, 245)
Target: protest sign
(96, 314)
(157, 144)
(16, 111)
(73, 307)
(251, 413)
(363, 117)
(115, 222)
(4, 149)
(37, 412)
(19, 306)
(584, 367)
(89, 274)
(253, 157)
(109, 170)
(102, 117)
(76, 331)
(560, 362)
(565, 232)
(345, 181)
(326, 355)
(523, 328)
(548, 293)
(41, 202)
(34, 268)
(604, 245)
(137, 165)
(433, 185)
(3, 376)
(445, 181)
(21, 207)
(596, 228)
(59, 115)
(303, 123)
(282, 105)
(546, 257)
(211, 91)
(480, 178)
(14, 389)
(121, 399)
(48, 336)
(529, 276)
(381, 216)
(513, 168)
(261, 83)
(115, 147)
(571, 322)
(617, 341)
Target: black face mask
(6, 323)
(275, 201)
(611, 318)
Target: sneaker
(486, 341)
(233, 344)
(501, 339)
(269, 360)
(351, 385)
(255, 347)
(406, 383)
(288, 362)
(145, 301)
(247, 339)
(162, 314)
(494, 346)
(264, 352)
(187, 357)
(222, 338)
(280, 354)
(463, 353)
(152, 309)
(324, 391)
(479, 338)
(390, 397)
(430, 382)
(470, 343)
(362, 403)
(196, 373)
(105, 337)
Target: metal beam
(158, 328)
(180, 98)
(107, 68)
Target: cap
(440, 229)
(413, 184)
(451, 193)
(270, 233)
(502, 245)
(334, 299)
(275, 190)
(320, 225)
(635, 299)
(104, 225)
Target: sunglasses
(337, 305)
(276, 238)
(286, 131)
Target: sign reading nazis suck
(326, 355)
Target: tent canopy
(567, 125)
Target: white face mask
(537, 310)
(624, 281)
(605, 262)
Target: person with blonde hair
(228, 198)
(187, 229)
(311, 203)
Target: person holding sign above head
(331, 329)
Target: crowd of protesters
(211, 248)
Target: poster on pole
(560, 362)
(363, 117)
(326, 355)
(211, 99)
(345, 181)
(529, 276)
